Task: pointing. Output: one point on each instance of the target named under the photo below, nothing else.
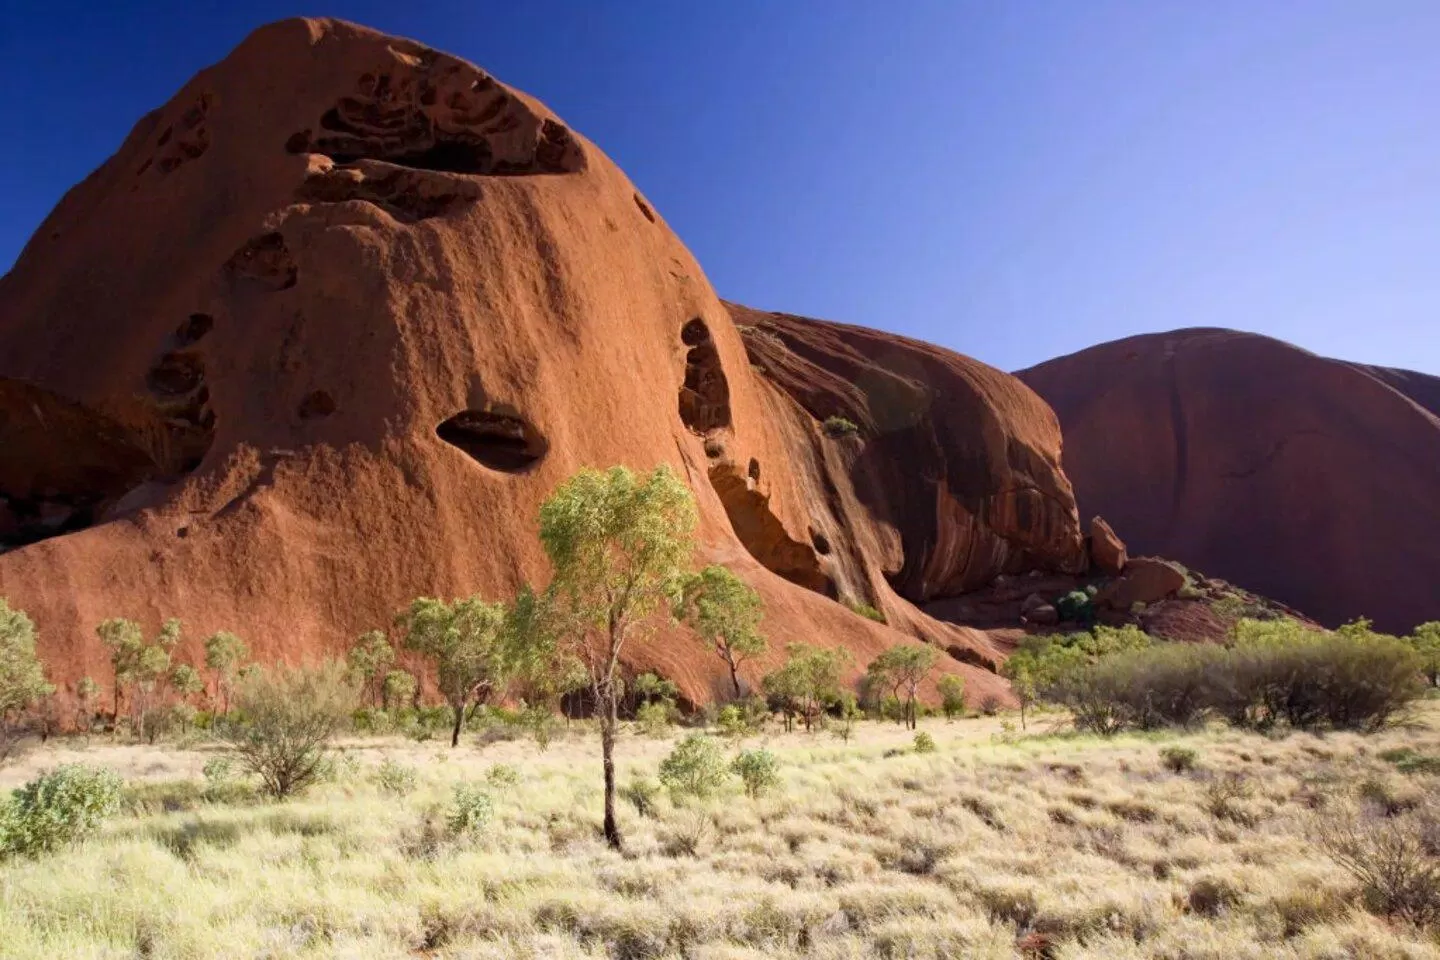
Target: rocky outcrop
(333, 322)
(1145, 580)
(1308, 480)
(957, 461)
(1107, 551)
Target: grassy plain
(996, 845)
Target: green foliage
(398, 689)
(847, 714)
(541, 725)
(1179, 759)
(1425, 639)
(807, 683)
(58, 808)
(139, 666)
(471, 810)
(725, 612)
(185, 680)
(644, 794)
(902, 669)
(731, 721)
(650, 687)
(395, 778)
(1407, 760)
(467, 642)
(863, 609)
(695, 768)
(619, 545)
(1276, 672)
(224, 654)
(502, 776)
(759, 770)
(289, 721)
(654, 718)
(1077, 606)
(840, 427)
(22, 678)
(952, 695)
(368, 660)
(924, 743)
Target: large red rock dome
(331, 324)
(1309, 480)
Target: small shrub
(289, 722)
(1389, 858)
(643, 794)
(542, 726)
(990, 706)
(1212, 896)
(395, 778)
(732, 722)
(836, 427)
(759, 769)
(58, 808)
(924, 743)
(952, 695)
(502, 776)
(653, 718)
(687, 834)
(1179, 759)
(1221, 793)
(471, 809)
(864, 609)
(696, 767)
(1075, 607)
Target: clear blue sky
(1015, 180)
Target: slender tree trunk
(1022, 714)
(608, 722)
(734, 676)
(459, 722)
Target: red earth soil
(1309, 480)
(332, 323)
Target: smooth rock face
(1107, 551)
(1308, 480)
(1145, 580)
(334, 321)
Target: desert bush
(759, 770)
(395, 778)
(643, 794)
(654, 717)
(58, 808)
(471, 809)
(732, 722)
(1075, 607)
(541, 724)
(22, 678)
(864, 609)
(840, 427)
(952, 695)
(1277, 673)
(502, 776)
(1179, 759)
(695, 768)
(289, 720)
(1222, 793)
(924, 743)
(1388, 857)
(990, 706)
(1212, 896)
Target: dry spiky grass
(993, 846)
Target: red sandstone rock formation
(332, 323)
(1305, 479)
(1107, 552)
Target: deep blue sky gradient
(1013, 180)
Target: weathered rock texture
(333, 322)
(1308, 480)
